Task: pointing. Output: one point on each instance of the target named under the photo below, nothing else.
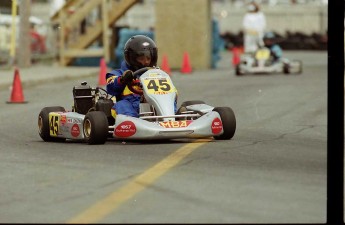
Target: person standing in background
(254, 24)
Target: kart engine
(83, 98)
(105, 105)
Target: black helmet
(140, 45)
(269, 38)
(269, 35)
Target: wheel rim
(40, 124)
(87, 128)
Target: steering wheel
(136, 81)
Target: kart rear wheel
(95, 127)
(229, 122)
(286, 68)
(43, 123)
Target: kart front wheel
(95, 127)
(188, 103)
(293, 67)
(43, 123)
(238, 71)
(229, 122)
(296, 67)
(192, 102)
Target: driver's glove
(127, 77)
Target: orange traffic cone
(102, 72)
(165, 65)
(186, 67)
(235, 56)
(17, 91)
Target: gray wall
(307, 18)
(304, 18)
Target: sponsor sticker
(63, 119)
(125, 129)
(175, 124)
(75, 131)
(153, 75)
(216, 126)
(74, 120)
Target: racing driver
(275, 49)
(140, 51)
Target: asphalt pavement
(273, 170)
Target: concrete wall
(184, 26)
(280, 18)
(306, 18)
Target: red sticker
(75, 130)
(125, 129)
(63, 119)
(216, 126)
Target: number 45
(162, 84)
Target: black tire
(286, 68)
(238, 70)
(187, 103)
(229, 122)
(43, 123)
(95, 127)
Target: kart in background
(91, 121)
(261, 62)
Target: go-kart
(261, 62)
(91, 120)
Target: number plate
(54, 121)
(262, 54)
(159, 86)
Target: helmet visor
(141, 58)
(144, 53)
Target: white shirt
(254, 22)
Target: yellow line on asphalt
(115, 199)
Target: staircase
(76, 34)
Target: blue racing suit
(276, 52)
(127, 102)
